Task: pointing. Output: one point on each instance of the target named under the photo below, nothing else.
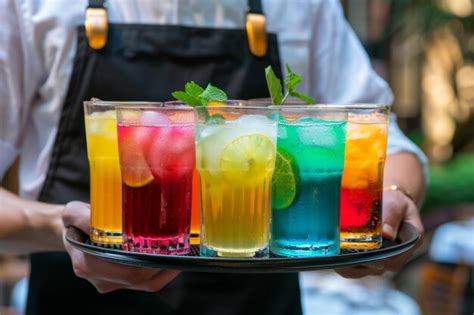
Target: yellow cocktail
(236, 161)
(105, 179)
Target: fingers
(362, 271)
(413, 216)
(395, 264)
(104, 275)
(396, 209)
(107, 276)
(393, 212)
(158, 281)
(77, 214)
(106, 286)
(93, 268)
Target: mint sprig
(274, 86)
(292, 81)
(194, 95)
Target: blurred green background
(425, 50)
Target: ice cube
(93, 126)
(101, 122)
(310, 121)
(209, 146)
(253, 119)
(358, 131)
(172, 156)
(318, 132)
(182, 117)
(249, 124)
(153, 118)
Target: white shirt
(453, 243)
(37, 46)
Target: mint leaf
(292, 80)
(213, 94)
(216, 119)
(274, 86)
(186, 98)
(305, 98)
(193, 89)
(195, 96)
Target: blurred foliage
(451, 183)
(425, 17)
(422, 19)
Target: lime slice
(251, 155)
(285, 181)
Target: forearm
(29, 226)
(405, 171)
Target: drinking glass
(362, 182)
(236, 150)
(307, 181)
(157, 158)
(196, 200)
(105, 180)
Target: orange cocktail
(105, 178)
(362, 181)
(195, 209)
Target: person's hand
(397, 207)
(104, 275)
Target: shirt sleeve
(16, 77)
(342, 73)
(399, 143)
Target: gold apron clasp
(257, 34)
(96, 25)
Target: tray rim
(408, 236)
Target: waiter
(144, 50)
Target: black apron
(147, 63)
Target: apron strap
(96, 4)
(256, 26)
(255, 6)
(96, 24)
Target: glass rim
(355, 105)
(337, 107)
(165, 108)
(235, 107)
(99, 102)
(228, 101)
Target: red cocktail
(157, 157)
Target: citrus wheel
(248, 156)
(285, 181)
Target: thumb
(77, 214)
(393, 213)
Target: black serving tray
(407, 237)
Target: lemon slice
(284, 181)
(248, 156)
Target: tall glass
(307, 181)
(157, 158)
(105, 180)
(236, 150)
(196, 200)
(362, 182)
